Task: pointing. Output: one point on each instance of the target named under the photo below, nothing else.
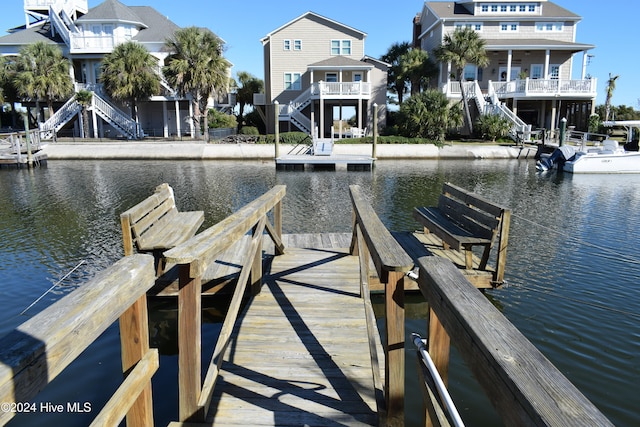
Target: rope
(586, 302)
(616, 253)
(52, 287)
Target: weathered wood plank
(38, 350)
(286, 345)
(386, 252)
(522, 384)
(201, 250)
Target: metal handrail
(437, 379)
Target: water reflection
(572, 265)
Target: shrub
(249, 130)
(427, 115)
(493, 126)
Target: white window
(536, 71)
(287, 45)
(331, 77)
(523, 8)
(476, 26)
(549, 27)
(494, 8)
(357, 77)
(554, 71)
(297, 45)
(509, 27)
(503, 8)
(532, 8)
(292, 81)
(513, 8)
(485, 8)
(341, 47)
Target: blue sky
(611, 26)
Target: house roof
(339, 61)
(112, 10)
(535, 44)
(25, 36)
(311, 14)
(155, 26)
(452, 9)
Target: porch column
(192, 126)
(94, 117)
(165, 119)
(554, 108)
(509, 61)
(585, 57)
(546, 64)
(321, 130)
(313, 120)
(515, 106)
(178, 124)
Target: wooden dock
(305, 348)
(287, 365)
(306, 161)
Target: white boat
(609, 157)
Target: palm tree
(396, 82)
(84, 98)
(130, 74)
(416, 68)
(464, 46)
(244, 96)
(42, 73)
(611, 86)
(196, 68)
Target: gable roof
(317, 16)
(112, 10)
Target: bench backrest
(472, 212)
(138, 219)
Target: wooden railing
(193, 258)
(37, 351)
(372, 241)
(522, 384)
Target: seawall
(201, 151)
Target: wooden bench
(463, 220)
(155, 225)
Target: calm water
(573, 265)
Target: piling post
(375, 130)
(563, 131)
(27, 140)
(277, 129)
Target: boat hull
(621, 162)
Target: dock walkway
(287, 365)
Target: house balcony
(92, 44)
(340, 90)
(533, 89)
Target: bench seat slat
(441, 225)
(171, 230)
(479, 223)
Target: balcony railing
(340, 89)
(533, 88)
(543, 87)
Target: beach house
(531, 45)
(85, 36)
(318, 77)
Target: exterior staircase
(293, 111)
(519, 132)
(112, 115)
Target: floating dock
(331, 162)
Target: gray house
(317, 72)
